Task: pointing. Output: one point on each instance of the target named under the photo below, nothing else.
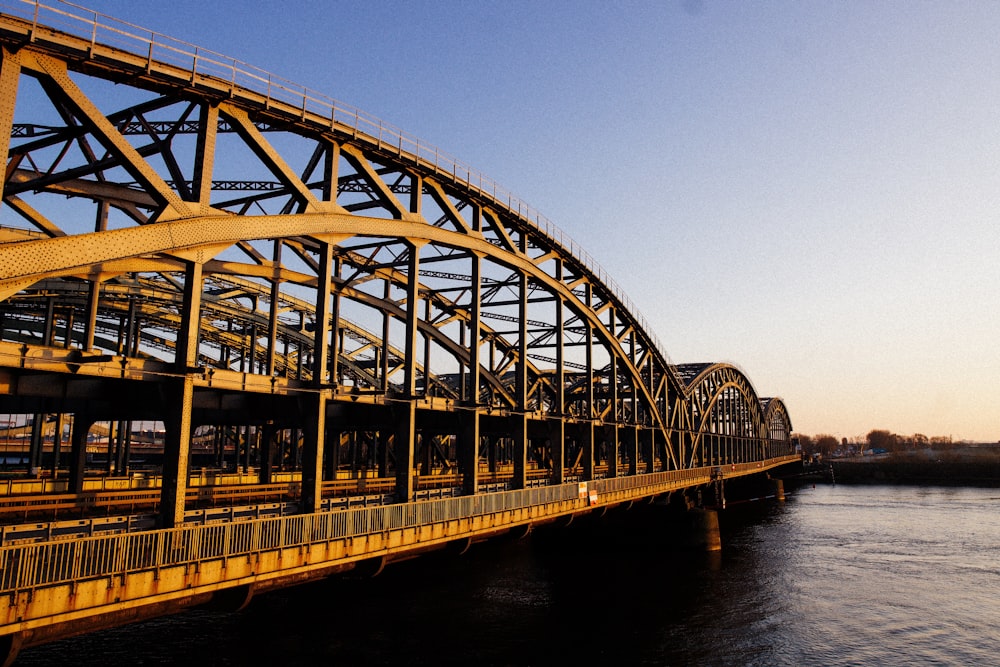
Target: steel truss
(186, 248)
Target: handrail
(102, 29)
(28, 566)
(49, 563)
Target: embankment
(943, 471)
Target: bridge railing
(101, 30)
(29, 566)
(25, 567)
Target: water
(842, 575)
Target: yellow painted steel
(369, 295)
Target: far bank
(972, 466)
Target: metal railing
(30, 566)
(102, 30)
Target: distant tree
(879, 439)
(806, 442)
(941, 441)
(826, 444)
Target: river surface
(837, 575)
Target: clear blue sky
(807, 189)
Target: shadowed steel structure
(189, 241)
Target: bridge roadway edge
(115, 596)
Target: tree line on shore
(877, 440)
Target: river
(836, 575)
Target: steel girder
(345, 261)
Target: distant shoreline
(979, 471)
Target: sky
(805, 189)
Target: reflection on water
(836, 576)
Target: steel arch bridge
(188, 240)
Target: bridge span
(215, 282)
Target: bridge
(251, 336)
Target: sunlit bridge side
(250, 336)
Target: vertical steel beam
(321, 336)
(427, 350)
(519, 432)
(204, 160)
(557, 431)
(412, 320)
(587, 435)
(646, 443)
(588, 426)
(520, 420)
(383, 440)
(36, 442)
(78, 451)
(186, 353)
(521, 379)
(386, 318)
(57, 444)
(475, 317)
(557, 448)
(406, 414)
(633, 449)
(314, 427)
(178, 402)
(469, 435)
(314, 405)
(468, 451)
(405, 435)
(615, 411)
(336, 342)
(272, 337)
(266, 452)
(93, 303)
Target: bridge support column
(265, 469)
(405, 436)
(557, 448)
(57, 444)
(704, 527)
(314, 418)
(779, 489)
(78, 451)
(179, 401)
(519, 431)
(612, 447)
(633, 450)
(646, 444)
(176, 450)
(587, 435)
(383, 440)
(37, 440)
(468, 452)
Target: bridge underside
(204, 267)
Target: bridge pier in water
(704, 529)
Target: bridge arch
(265, 257)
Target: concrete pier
(704, 530)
